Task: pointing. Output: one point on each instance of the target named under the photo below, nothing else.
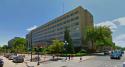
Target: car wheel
(119, 58)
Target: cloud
(119, 21)
(109, 24)
(113, 24)
(31, 28)
(120, 40)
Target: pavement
(45, 61)
(87, 61)
(9, 63)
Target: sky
(18, 17)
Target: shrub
(82, 51)
(77, 54)
(80, 54)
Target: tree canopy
(68, 39)
(56, 47)
(99, 36)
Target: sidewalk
(84, 58)
(61, 63)
(45, 62)
(9, 63)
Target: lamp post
(38, 50)
(65, 47)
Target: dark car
(122, 52)
(1, 62)
(18, 59)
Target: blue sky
(16, 16)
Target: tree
(67, 37)
(56, 47)
(19, 45)
(99, 36)
(118, 47)
(91, 37)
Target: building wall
(76, 21)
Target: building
(76, 21)
(10, 42)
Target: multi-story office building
(76, 22)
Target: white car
(11, 57)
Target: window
(76, 23)
(71, 14)
(64, 22)
(67, 16)
(76, 12)
(76, 18)
(72, 19)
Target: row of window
(59, 20)
(76, 35)
(58, 25)
(75, 27)
(63, 18)
(49, 35)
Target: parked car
(1, 62)
(106, 52)
(22, 56)
(7, 55)
(11, 57)
(18, 59)
(115, 55)
(122, 52)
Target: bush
(64, 55)
(77, 54)
(80, 54)
(82, 51)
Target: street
(103, 61)
(98, 61)
(92, 61)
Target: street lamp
(38, 51)
(65, 47)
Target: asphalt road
(104, 61)
(97, 61)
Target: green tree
(67, 37)
(19, 45)
(56, 47)
(99, 36)
(118, 47)
(91, 36)
(5, 48)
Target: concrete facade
(76, 22)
